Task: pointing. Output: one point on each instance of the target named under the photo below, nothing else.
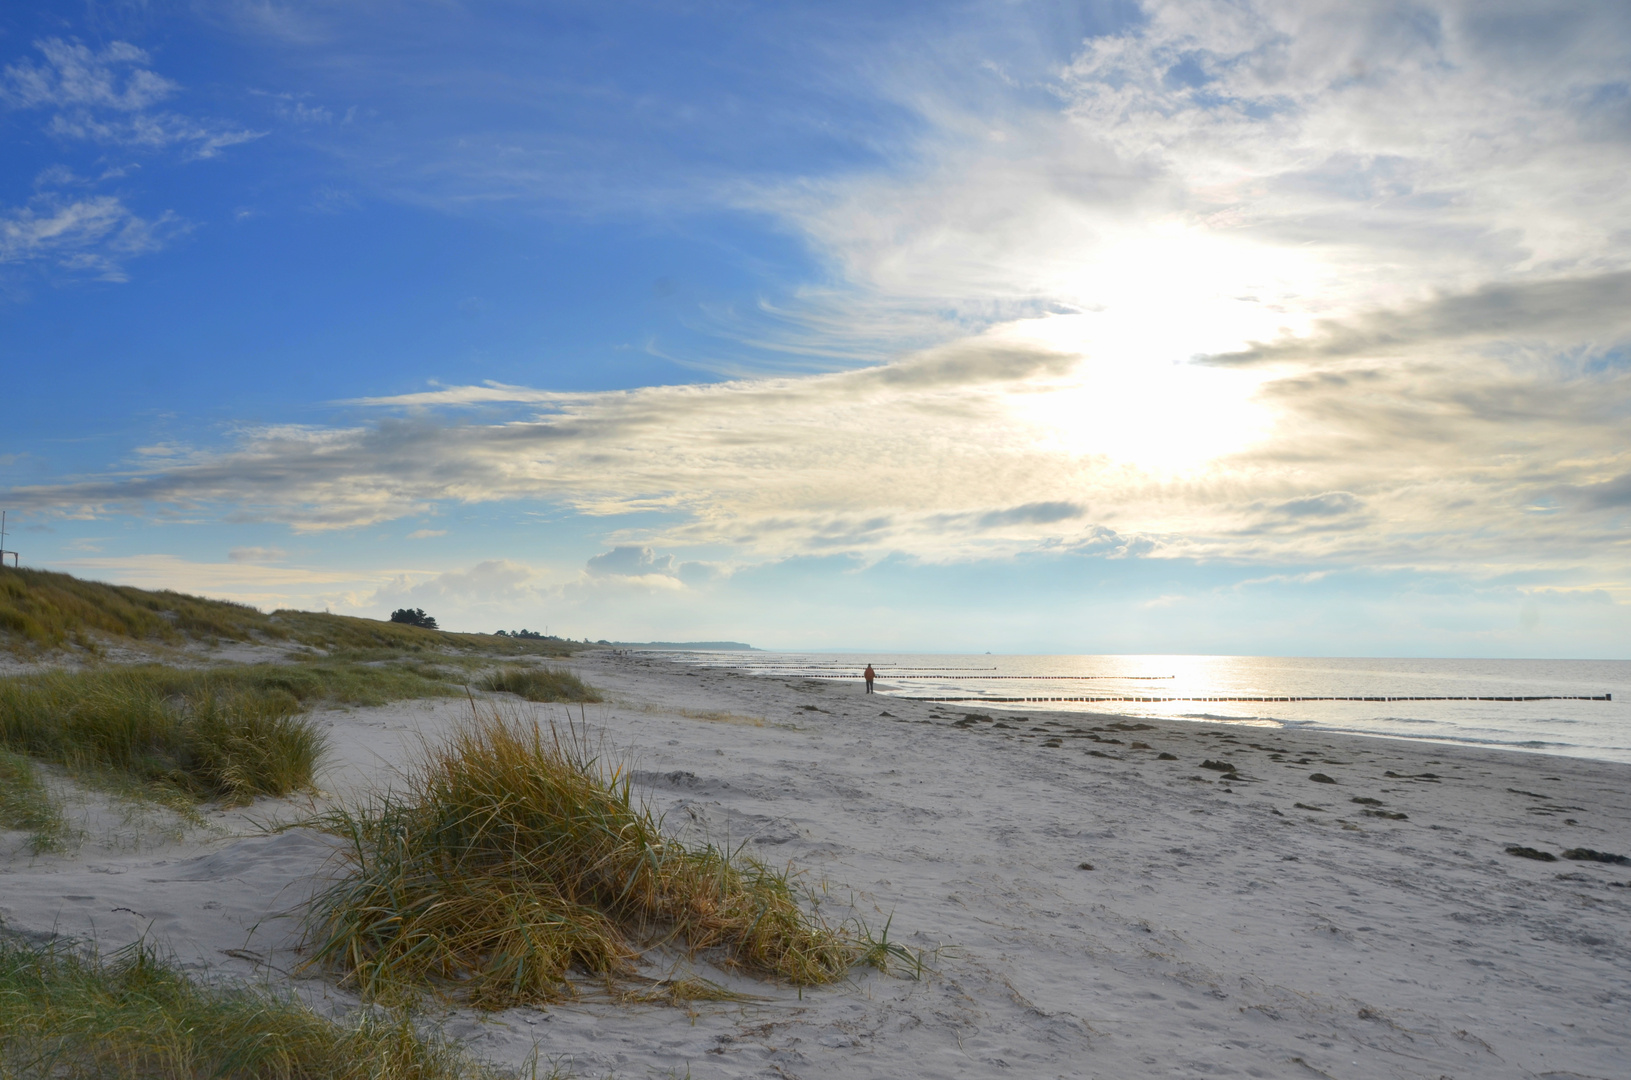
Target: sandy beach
(1087, 906)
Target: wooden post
(16, 560)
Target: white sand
(1222, 932)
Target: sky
(1215, 326)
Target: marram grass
(28, 806)
(540, 684)
(135, 1017)
(515, 856)
(232, 733)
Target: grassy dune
(64, 1017)
(44, 610)
(232, 732)
(515, 855)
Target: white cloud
(1396, 238)
(74, 75)
(108, 97)
(426, 534)
(1259, 165)
(257, 554)
(629, 561)
(637, 566)
(94, 235)
(941, 456)
(493, 584)
(153, 131)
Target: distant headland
(715, 646)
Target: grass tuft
(540, 684)
(516, 855)
(875, 950)
(65, 1017)
(232, 733)
(27, 805)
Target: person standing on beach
(869, 675)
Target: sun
(1140, 405)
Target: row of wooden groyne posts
(1158, 700)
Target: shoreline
(1570, 708)
(1258, 922)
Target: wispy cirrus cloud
(940, 458)
(113, 98)
(93, 235)
(75, 76)
(110, 96)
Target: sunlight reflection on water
(1597, 729)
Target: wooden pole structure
(16, 560)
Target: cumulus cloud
(492, 583)
(627, 561)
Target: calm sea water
(1595, 729)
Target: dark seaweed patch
(1584, 854)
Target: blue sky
(1237, 327)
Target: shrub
(413, 617)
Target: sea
(1580, 708)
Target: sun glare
(1164, 293)
(1136, 405)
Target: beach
(1266, 903)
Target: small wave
(1221, 718)
(1527, 744)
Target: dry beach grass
(26, 805)
(517, 852)
(230, 733)
(540, 684)
(64, 1016)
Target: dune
(1093, 896)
